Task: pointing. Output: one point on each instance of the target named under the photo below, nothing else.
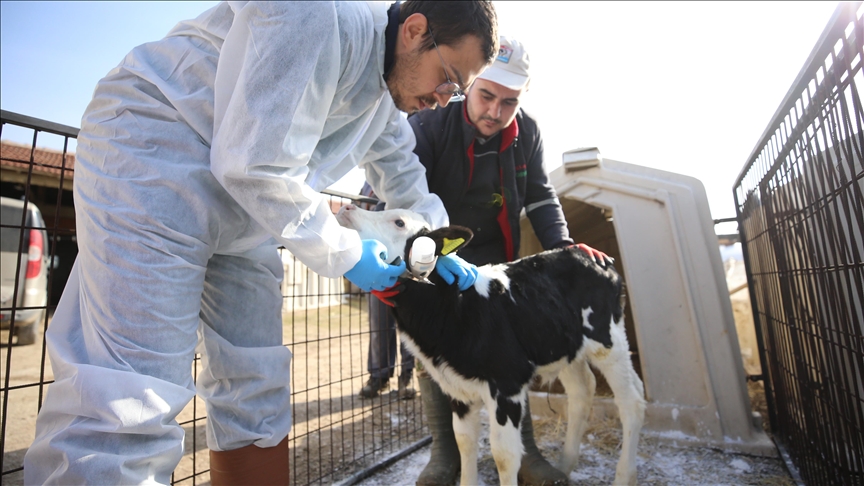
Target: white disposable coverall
(199, 155)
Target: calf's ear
(450, 239)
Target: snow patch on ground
(741, 465)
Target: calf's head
(398, 228)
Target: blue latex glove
(454, 269)
(373, 272)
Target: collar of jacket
(509, 135)
(390, 35)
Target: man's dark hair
(452, 21)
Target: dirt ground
(330, 347)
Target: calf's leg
(579, 382)
(629, 398)
(505, 438)
(466, 427)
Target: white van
(24, 255)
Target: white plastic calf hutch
(658, 227)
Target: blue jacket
(445, 146)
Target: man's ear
(450, 239)
(413, 30)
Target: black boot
(444, 462)
(405, 390)
(535, 470)
(374, 386)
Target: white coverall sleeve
(277, 75)
(396, 174)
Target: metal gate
(801, 220)
(337, 437)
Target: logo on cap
(504, 53)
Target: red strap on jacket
(506, 230)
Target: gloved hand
(454, 269)
(373, 272)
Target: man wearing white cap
(484, 159)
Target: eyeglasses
(448, 88)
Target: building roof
(45, 162)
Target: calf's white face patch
(392, 227)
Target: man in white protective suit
(198, 156)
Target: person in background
(382, 340)
(484, 159)
(198, 156)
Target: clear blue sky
(686, 87)
(53, 53)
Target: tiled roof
(14, 156)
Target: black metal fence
(337, 437)
(800, 204)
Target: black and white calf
(549, 314)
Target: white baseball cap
(510, 68)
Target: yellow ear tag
(450, 245)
